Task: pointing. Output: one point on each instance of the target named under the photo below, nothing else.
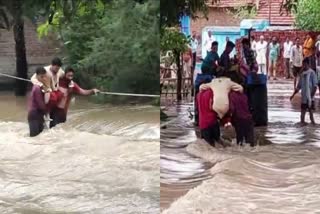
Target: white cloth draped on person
(53, 79)
(221, 88)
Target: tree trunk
(179, 75)
(20, 48)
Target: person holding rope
(68, 88)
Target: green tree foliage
(307, 15)
(173, 10)
(243, 12)
(174, 40)
(114, 46)
(13, 13)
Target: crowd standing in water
(222, 95)
(50, 96)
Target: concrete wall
(39, 52)
(216, 17)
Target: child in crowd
(308, 85)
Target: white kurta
(261, 50)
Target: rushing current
(281, 177)
(105, 159)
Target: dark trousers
(288, 69)
(58, 116)
(194, 60)
(211, 134)
(312, 62)
(244, 131)
(36, 122)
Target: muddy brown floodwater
(105, 159)
(282, 177)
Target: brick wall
(281, 36)
(216, 17)
(39, 51)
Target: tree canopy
(114, 46)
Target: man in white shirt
(53, 72)
(287, 45)
(207, 43)
(296, 58)
(194, 48)
(261, 51)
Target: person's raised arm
(78, 90)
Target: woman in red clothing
(208, 119)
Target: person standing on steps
(274, 53)
(261, 55)
(287, 46)
(309, 51)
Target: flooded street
(282, 177)
(105, 159)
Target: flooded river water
(282, 177)
(105, 159)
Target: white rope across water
(101, 92)
(13, 77)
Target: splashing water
(105, 159)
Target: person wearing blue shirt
(308, 85)
(210, 63)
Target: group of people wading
(51, 95)
(222, 99)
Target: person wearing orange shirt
(309, 50)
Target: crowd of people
(51, 95)
(222, 100)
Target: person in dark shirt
(37, 107)
(225, 60)
(210, 63)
